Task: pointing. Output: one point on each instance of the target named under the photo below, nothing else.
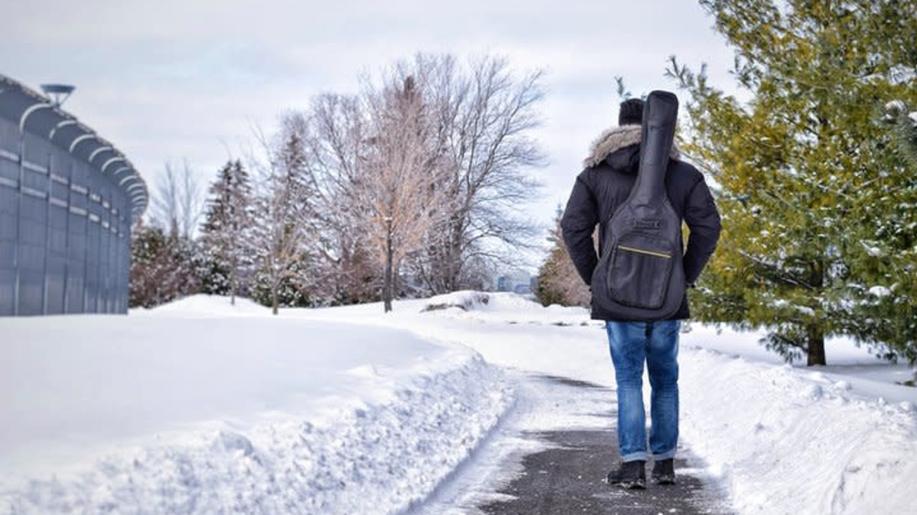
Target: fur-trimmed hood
(617, 138)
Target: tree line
(409, 187)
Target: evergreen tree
(904, 125)
(225, 235)
(817, 200)
(558, 281)
(284, 215)
(162, 267)
(292, 289)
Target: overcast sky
(169, 80)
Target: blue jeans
(656, 343)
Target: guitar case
(640, 274)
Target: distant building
(67, 202)
(522, 289)
(520, 282)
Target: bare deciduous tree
(335, 145)
(397, 186)
(485, 117)
(422, 172)
(179, 200)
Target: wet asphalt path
(569, 479)
(568, 476)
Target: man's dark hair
(631, 112)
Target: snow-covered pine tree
(162, 266)
(902, 119)
(818, 209)
(294, 289)
(281, 216)
(226, 232)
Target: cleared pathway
(551, 455)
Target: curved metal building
(67, 202)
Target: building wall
(64, 230)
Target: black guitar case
(640, 274)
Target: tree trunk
(815, 334)
(815, 345)
(387, 280)
(232, 282)
(274, 301)
(455, 257)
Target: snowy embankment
(199, 407)
(783, 439)
(790, 441)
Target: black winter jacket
(605, 183)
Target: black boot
(664, 472)
(631, 474)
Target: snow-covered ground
(868, 377)
(199, 406)
(784, 439)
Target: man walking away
(609, 174)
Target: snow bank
(868, 376)
(503, 307)
(203, 305)
(461, 300)
(789, 441)
(178, 411)
(377, 459)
